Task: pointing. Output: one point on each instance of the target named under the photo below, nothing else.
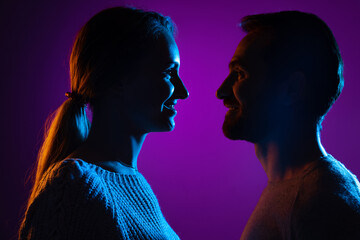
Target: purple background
(207, 185)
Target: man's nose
(225, 90)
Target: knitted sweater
(79, 200)
(323, 204)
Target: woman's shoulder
(68, 192)
(66, 170)
(68, 167)
(70, 174)
(66, 182)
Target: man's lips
(231, 105)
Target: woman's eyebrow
(171, 65)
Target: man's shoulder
(328, 202)
(330, 183)
(332, 178)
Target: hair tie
(77, 97)
(68, 94)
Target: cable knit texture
(79, 200)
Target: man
(284, 77)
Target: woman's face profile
(155, 87)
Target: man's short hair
(303, 42)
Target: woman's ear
(119, 87)
(292, 90)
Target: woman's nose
(180, 90)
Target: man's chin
(236, 132)
(231, 132)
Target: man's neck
(287, 156)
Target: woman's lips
(170, 104)
(171, 107)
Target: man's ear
(117, 89)
(293, 88)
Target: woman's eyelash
(170, 72)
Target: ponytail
(65, 130)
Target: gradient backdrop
(207, 185)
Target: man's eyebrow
(234, 62)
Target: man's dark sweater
(323, 203)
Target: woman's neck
(111, 144)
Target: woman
(124, 64)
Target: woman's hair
(105, 48)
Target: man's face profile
(246, 91)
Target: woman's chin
(167, 126)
